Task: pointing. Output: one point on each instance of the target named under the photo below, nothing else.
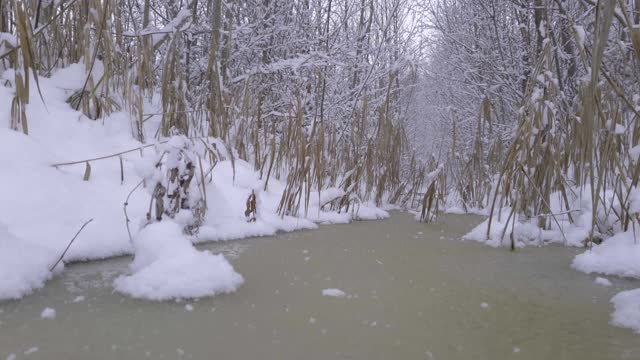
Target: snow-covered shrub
(175, 184)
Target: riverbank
(43, 206)
(616, 255)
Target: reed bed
(563, 151)
(181, 60)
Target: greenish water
(414, 292)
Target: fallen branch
(109, 156)
(121, 152)
(70, 242)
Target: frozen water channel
(392, 289)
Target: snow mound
(24, 266)
(370, 212)
(167, 266)
(457, 210)
(627, 310)
(619, 255)
(334, 293)
(527, 233)
(602, 281)
(524, 233)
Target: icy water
(414, 291)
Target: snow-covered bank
(24, 266)
(525, 232)
(42, 206)
(616, 255)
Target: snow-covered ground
(43, 206)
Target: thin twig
(70, 242)
(126, 216)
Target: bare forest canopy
(486, 103)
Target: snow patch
(602, 281)
(334, 293)
(8, 41)
(31, 350)
(48, 313)
(635, 152)
(627, 310)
